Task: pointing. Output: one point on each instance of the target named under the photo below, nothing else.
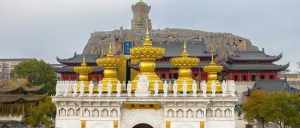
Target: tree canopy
(41, 114)
(281, 108)
(37, 72)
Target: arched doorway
(143, 126)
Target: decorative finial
(83, 63)
(110, 51)
(147, 39)
(212, 52)
(184, 46)
(184, 51)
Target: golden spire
(83, 63)
(212, 52)
(110, 50)
(184, 63)
(147, 38)
(83, 70)
(212, 70)
(184, 52)
(147, 56)
(110, 63)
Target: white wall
(185, 124)
(67, 124)
(132, 117)
(99, 124)
(220, 124)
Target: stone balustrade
(95, 88)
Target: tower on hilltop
(141, 19)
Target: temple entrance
(142, 126)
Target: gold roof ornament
(110, 63)
(147, 55)
(212, 70)
(184, 63)
(83, 70)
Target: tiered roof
(240, 56)
(253, 61)
(15, 95)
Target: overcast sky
(49, 28)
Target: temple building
(158, 78)
(16, 97)
(242, 61)
(147, 101)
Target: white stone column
(224, 88)
(129, 88)
(232, 88)
(119, 89)
(165, 88)
(156, 88)
(81, 88)
(203, 88)
(184, 88)
(213, 88)
(194, 86)
(100, 88)
(109, 88)
(175, 88)
(74, 87)
(91, 88)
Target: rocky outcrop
(223, 43)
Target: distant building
(292, 78)
(15, 97)
(274, 85)
(7, 65)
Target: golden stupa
(212, 70)
(184, 63)
(110, 63)
(146, 55)
(83, 70)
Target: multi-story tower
(141, 19)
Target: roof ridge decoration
(147, 39)
(7, 86)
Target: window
(262, 77)
(271, 77)
(253, 77)
(163, 76)
(245, 78)
(236, 78)
(175, 75)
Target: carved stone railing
(94, 88)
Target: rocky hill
(224, 43)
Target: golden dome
(83, 70)
(184, 61)
(213, 67)
(147, 52)
(109, 61)
(147, 55)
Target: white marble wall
(132, 117)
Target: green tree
(281, 108)
(284, 109)
(41, 114)
(37, 72)
(254, 107)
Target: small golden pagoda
(184, 63)
(110, 63)
(212, 70)
(83, 70)
(146, 55)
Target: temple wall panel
(220, 124)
